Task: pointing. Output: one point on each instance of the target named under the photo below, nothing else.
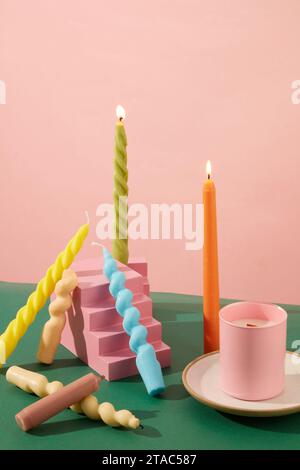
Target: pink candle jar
(252, 350)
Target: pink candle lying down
(43, 409)
(252, 350)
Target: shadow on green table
(289, 424)
(172, 421)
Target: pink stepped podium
(94, 330)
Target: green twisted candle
(120, 242)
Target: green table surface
(174, 421)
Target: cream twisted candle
(106, 412)
(26, 315)
(31, 382)
(120, 242)
(146, 361)
(51, 334)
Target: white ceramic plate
(201, 380)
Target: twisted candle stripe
(32, 382)
(26, 315)
(106, 412)
(120, 243)
(51, 334)
(146, 361)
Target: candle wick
(87, 217)
(120, 118)
(208, 176)
(98, 244)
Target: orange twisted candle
(36, 301)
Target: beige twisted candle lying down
(32, 382)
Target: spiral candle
(51, 334)
(32, 382)
(26, 315)
(146, 361)
(120, 243)
(106, 412)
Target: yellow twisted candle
(26, 314)
(32, 382)
(120, 242)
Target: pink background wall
(199, 79)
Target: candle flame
(208, 169)
(120, 112)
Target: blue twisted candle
(146, 361)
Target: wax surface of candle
(146, 361)
(211, 302)
(120, 243)
(36, 301)
(51, 334)
(50, 405)
(252, 322)
(32, 382)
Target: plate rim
(227, 409)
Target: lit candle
(36, 301)
(120, 242)
(211, 302)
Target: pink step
(122, 363)
(77, 338)
(146, 287)
(139, 265)
(93, 285)
(115, 338)
(101, 317)
(94, 330)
